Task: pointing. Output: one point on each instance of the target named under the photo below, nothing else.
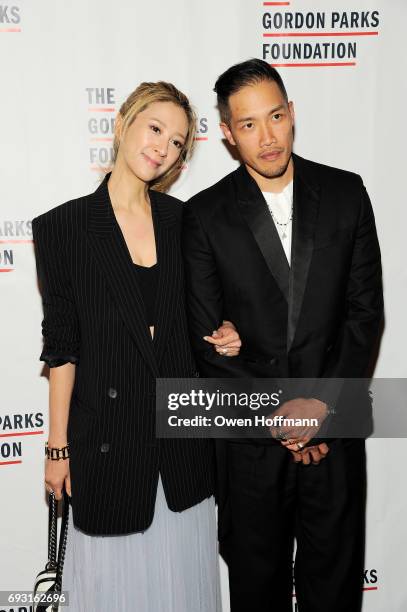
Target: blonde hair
(144, 95)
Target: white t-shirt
(280, 207)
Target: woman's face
(154, 141)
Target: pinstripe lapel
(114, 261)
(170, 270)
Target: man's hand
(311, 454)
(226, 341)
(299, 408)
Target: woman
(111, 277)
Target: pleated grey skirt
(171, 567)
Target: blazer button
(105, 447)
(112, 393)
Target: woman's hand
(56, 475)
(226, 341)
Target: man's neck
(275, 184)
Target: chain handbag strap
(52, 531)
(62, 541)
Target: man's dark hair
(246, 73)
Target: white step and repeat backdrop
(66, 67)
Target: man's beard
(276, 172)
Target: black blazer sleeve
(205, 304)
(60, 326)
(350, 356)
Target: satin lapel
(256, 214)
(305, 212)
(114, 261)
(170, 270)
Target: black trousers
(271, 501)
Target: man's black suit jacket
(318, 318)
(94, 317)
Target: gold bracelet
(56, 453)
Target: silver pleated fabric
(171, 567)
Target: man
(286, 249)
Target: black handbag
(48, 583)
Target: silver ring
(224, 351)
(300, 445)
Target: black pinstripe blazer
(94, 317)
